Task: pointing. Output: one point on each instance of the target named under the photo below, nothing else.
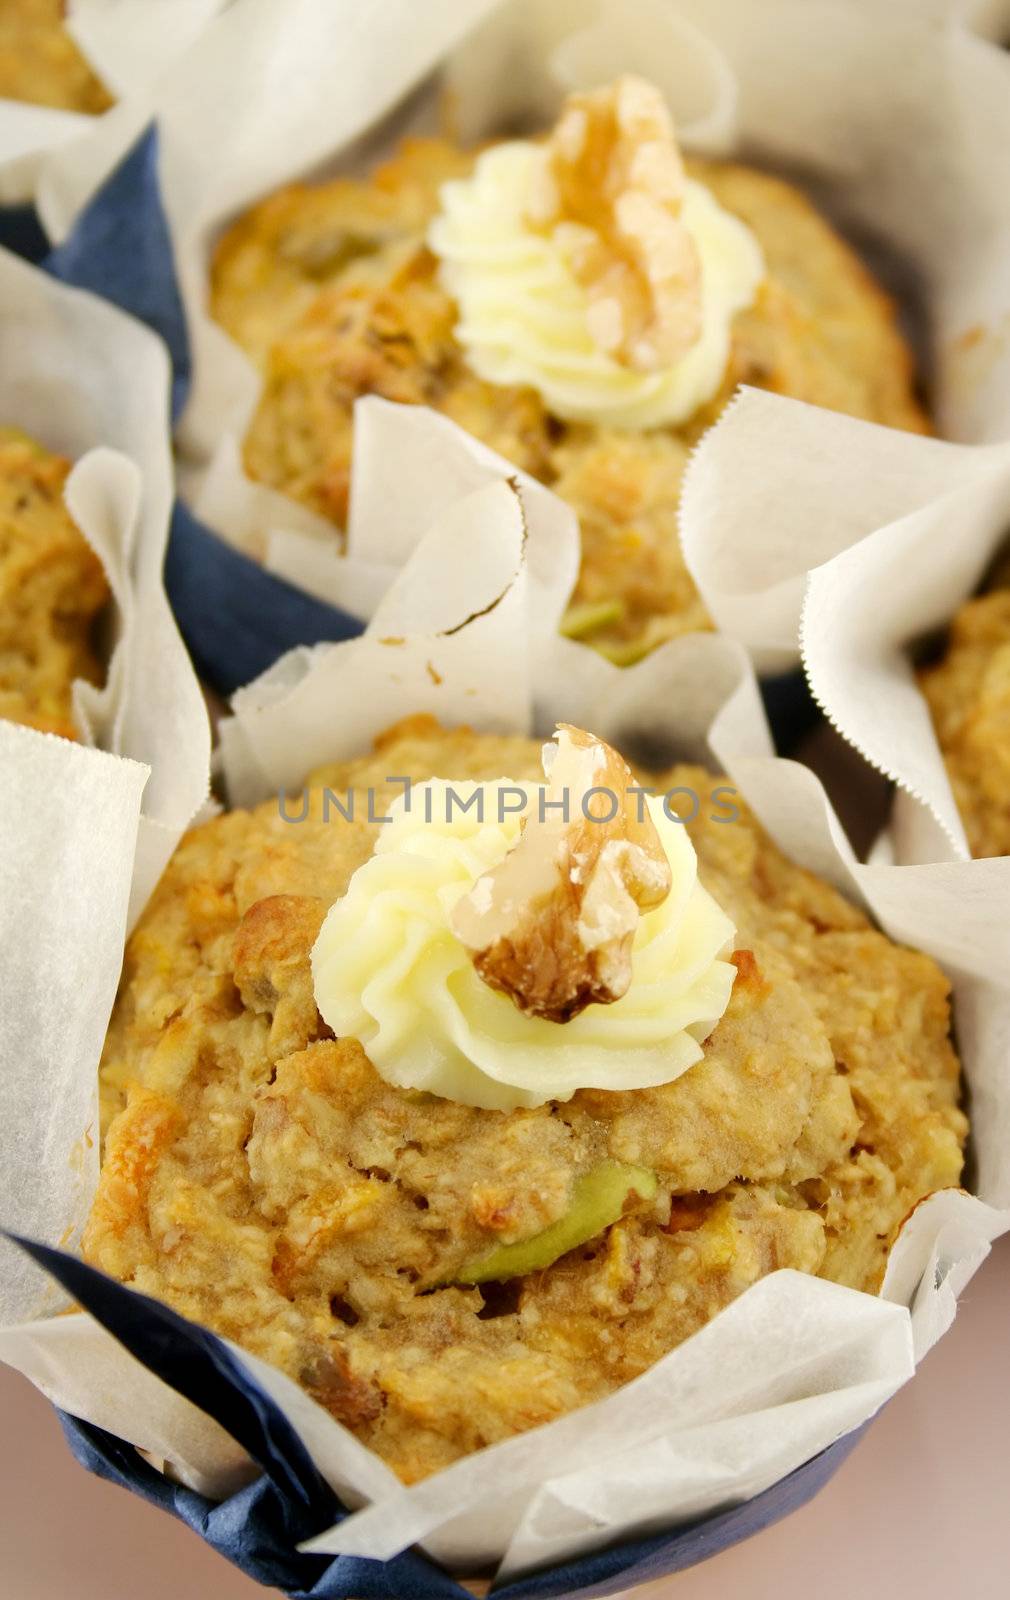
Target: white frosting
(524, 316)
(389, 971)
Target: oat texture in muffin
(260, 1176)
(39, 61)
(333, 291)
(51, 588)
(968, 693)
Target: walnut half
(610, 187)
(552, 925)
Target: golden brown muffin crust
(261, 1177)
(51, 588)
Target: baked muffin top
(262, 1177)
(40, 63)
(968, 693)
(51, 588)
(333, 290)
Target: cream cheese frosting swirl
(526, 318)
(390, 972)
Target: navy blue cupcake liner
(259, 1527)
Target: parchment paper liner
(88, 827)
(879, 539)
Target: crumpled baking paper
(86, 828)
(128, 43)
(795, 1362)
(881, 537)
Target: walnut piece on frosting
(610, 185)
(552, 925)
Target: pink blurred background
(920, 1511)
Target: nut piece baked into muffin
(440, 1275)
(438, 281)
(52, 587)
(968, 692)
(40, 62)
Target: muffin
(52, 587)
(440, 1274)
(968, 693)
(680, 282)
(40, 63)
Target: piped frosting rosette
(391, 971)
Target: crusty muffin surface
(968, 692)
(40, 63)
(261, 1177)
(51, 588)
(332, 291)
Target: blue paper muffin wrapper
(258, 1528)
